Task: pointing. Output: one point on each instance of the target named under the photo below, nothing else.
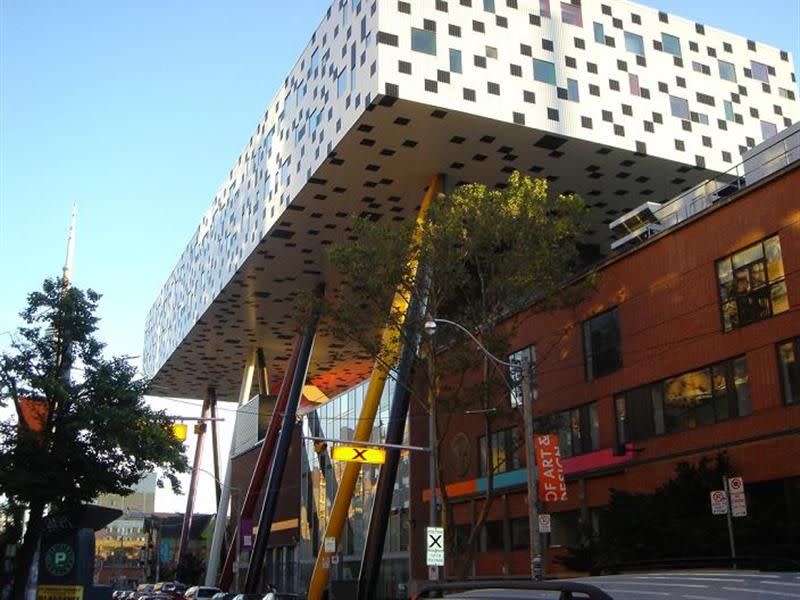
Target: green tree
(673, 522)
(485, 255)
(93, 435)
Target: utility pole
(528, 393)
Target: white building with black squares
(613, 100)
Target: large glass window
(633, 81)
(455, 60)
(710, 395)
(671, 44)
(768, 130)
(601, 344)
(544, 71)
(599, 34)
(507, 451)
(572, 90)
(789, 364)
(760, 71)
(571, 14)
(634, 43)
(578, 430)
(520, 536)
(515, 374)
(492, 536)
(728, 106)
(752, 285)
(423, 41)
(679, 107)
(727, 71)
(341, 82)
(544, 8)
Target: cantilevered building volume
(615, 101)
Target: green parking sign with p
(59, 559)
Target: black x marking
(434, 541)
(359, 454)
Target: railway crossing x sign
(434, 542)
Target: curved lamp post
(528, 394)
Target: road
(700, 585)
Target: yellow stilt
(366, 420)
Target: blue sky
(138, 109)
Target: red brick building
(689, 346)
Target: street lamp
(528, 394)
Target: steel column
(395, 429)
(217, 551)
(212, 401)
(280, 455)
(366, 420)
(262, 463)
(198, 453)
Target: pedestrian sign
(434, 542)
(719, 502)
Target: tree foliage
(673, 522)
(88, 431)
(484, 254)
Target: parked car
(248, 596)
(174, 589)
(512, 590)
(223, 596)
(200, 591)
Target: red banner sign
(552, 487)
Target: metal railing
(752, 169)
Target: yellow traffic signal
(179, 431)
(359, 454)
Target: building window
(507, 451)
(488, 5)
(789, 363)
(544, 8)
(727, 71)
(634, 43)
(768, 130)
(679, 107)
(760, 71)
(671, 44)
(599, 34)
(571, 14)
(515, 376)
(572, 90)
(423, 41)
(729, 114)
(752, 285)
(455, 60)
(601, 344)
(633, 81)
(341, 83)
(520, 533)
(578, 430)
(544, 71)
(492, 536)
(702, 397)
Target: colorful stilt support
(262, 463)
(198, 453)
(280, 455)
(382, 504)
(217, 551)
(366, 421)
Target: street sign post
(434, 543)
(719, 502)
(359, 454)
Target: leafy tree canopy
(81, 427)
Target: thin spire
(70, 245)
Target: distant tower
(70, 245)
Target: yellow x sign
(360, 454)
